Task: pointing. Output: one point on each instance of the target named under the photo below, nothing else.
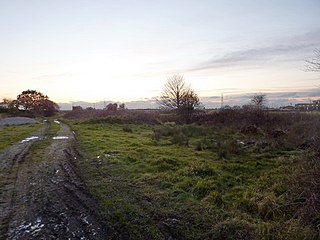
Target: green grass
(156, 182)
(39, 149)
(36, 152)
(12, 134)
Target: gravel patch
(17, 121)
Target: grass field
(190, 181)
(12, 134)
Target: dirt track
(42, 197)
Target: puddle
(32, 228)
(28, 139)
(60, 137)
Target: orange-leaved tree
(34, 102)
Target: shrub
(127, 129)
(194, 131)
(201, 170)
(293, 229)
(214, 198)
(234, 147)
(199, 146)
(223, 151)
(165, 164)
(202, 188)
(156, 135)
(268, 208)
(179, 138)
(304, 190)
(233, 229)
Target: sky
(105, 50)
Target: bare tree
(178, 96)
(173, 92)
(259, 101)
(313, 64)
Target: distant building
(77, 108)
(314, 106)
(4, 105)
(287, 108)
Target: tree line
(177, 96)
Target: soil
(43, 197)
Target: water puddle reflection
(28, 139)
(60, 137)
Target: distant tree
(259, 101)
(46, 107)
(178, 96)
(35, 102)
(112, 107)
(5, 105)
(28, 100)
(77, 108)
(6, 101)
(226, 107)
(314, 63)
(189, 101)
(122, 106)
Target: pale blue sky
(124, 50)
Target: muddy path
(41, 196)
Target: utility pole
(221, 100)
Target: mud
(46, 199)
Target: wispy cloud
(287, 50)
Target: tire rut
(49, 200)
(10, 161)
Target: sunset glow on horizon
(124, 51)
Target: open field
(229, 175)
(209, 181)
